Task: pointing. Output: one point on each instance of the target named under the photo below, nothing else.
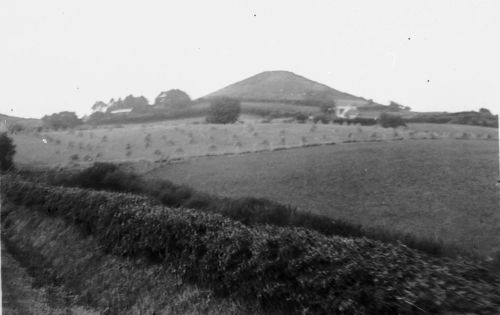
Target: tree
(224, 110)
(485, 111)
(61, 120)
(172, 99)
(7, 151)
(137, 104)
(99, 106)
(387, 120)
(395, 107)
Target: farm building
(346, 111)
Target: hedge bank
(292, 268)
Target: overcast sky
(65, 55)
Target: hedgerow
(294, 269)
(250, 211)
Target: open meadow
(442, 189)
(182, 139)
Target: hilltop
(283, 87)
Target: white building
(346, 111)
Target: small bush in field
(179, 150)
(282, 141)
(391, 121)
(87, 158)
(223, 111)
(255, 134)
(98, 155)
(80, 146)
(71, 144)
(301, 118)
(89, 147)
(157, 152)
(212, 148)
(303, 141)
(104, 139)
(265, 142)
(57, 142)
(74, 157)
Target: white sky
(65, 55)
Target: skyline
(431, 56)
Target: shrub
(322, 118)
(74, 157)
(301, 117)
(391, 121)
(224, 111)
(7, 151)
(61, 120)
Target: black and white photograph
(256, 157)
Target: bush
(7, 151)
(301, 117)
(323, 118)
(391, 121)
(355, 121)
(223, 111)
(62, 120)
(291, 269)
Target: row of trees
(170, 100)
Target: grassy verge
(293, 269)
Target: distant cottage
(346, 111)
(121, 111)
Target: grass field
(443, 189)
(189, 138)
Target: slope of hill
(25, 123)
(284, 87)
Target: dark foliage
(391, 121)
(62, 120)
(481, 118)
(321, 118)
(224, 111)
(172, 99)
(292, 269)
(355, 121)
(7, 151)
(301, 117)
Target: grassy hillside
(444, 189)
(278, 86)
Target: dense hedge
(293, 269)
(461, 118)
(358, 120)
(250, 211)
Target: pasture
(188, 138)
(443, 189)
